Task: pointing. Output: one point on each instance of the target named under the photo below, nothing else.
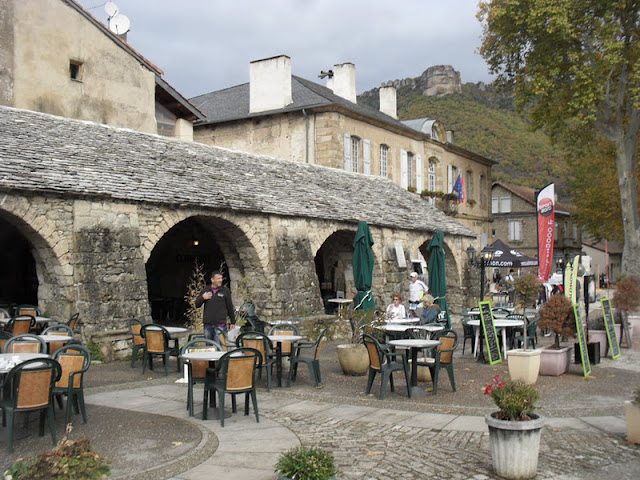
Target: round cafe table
(502, 323)
(402, 321)
(10, 360)
(279, 340)
(415, 344)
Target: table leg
(504, 342)
(415, 390)
(279, 363)
(475, 349)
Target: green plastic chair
(29, 387)
(21, 324)
(197, 369)
(312, 361)
(137, 344)
(261, 343)
(25, 343)
(74, 360)
(235, 374)
(73, 320)
(384, 361)
(156, 344)
(442, 359)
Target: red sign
(546, 226)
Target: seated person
(396, 309)
(430, 312)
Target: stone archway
(452, 272)
(334, 268)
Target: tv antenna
(118, 23)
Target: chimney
(449, 136)
(343, 82)
(388, 101)
(270, 84)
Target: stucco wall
(114, 88)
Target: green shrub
(515, 399)
(95, 351)
(306, 463)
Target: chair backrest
(4, 336)
(25, 343)
(32, 381)
(60, 329)
(449, 342)
(319, 342)
(199, 367)
(238, 368)
(32, 310)
(134, 328)
(156, 338)
(21, 324)
(73, 319)
(4, 313)
(258, 342)
(376, 359)
(74, 360)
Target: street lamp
(486, 255)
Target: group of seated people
(429, 314)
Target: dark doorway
(171, 264)
(334, 267)
(18, 281)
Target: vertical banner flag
(545, 205)
(459, 188)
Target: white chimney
(388, 101)
(270, 84)
(343, 82)
(449, 136)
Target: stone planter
(600, 336)
(515, 446)
(524, 365)
(353, 359)
(634, 321)
(424, 374)
(623, 336)
(555, 362)
(632, 414)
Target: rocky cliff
(435, 81)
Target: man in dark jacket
(217, 305)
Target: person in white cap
(417, 289)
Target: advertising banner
(545, 205)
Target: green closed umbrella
(363, 268)
(437, 275)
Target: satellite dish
(111, 9)
(119, 24)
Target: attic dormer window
(75, 70)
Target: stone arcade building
(105, 222)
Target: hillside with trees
(487, 123)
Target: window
(515, 230)
(366, 157)
(355, 153)
(419, 182)
(431, 179)
(409, 169)
(75, 70)
(452, 176)
(500, 204)
(384, 158)
(469, 184)
(483, 190)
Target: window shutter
(419, 185)
(450, 179)
(404, 168)
(366, 157)
(348, 166)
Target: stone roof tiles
(41, 153)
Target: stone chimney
(270, 84)
(389, 101)
(343, 82)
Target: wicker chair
(74, 360)
(284, 329)
(312, 361)
(25, 343)
(385, 362)
(156, 343)
(137, 341)
(60, 329)
(443, 358)
(262, 344)
(235, 374)
(29, 387)
(197, 369)
(21, 324)
(32, 310)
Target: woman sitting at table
(430, 312)
(396, 309)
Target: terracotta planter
(524, 365)
(600, 336)
(515, 446)
(632, 414)
(353, 359)
(555, 362)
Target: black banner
(582, 341)
(486, 317)
(610, 326)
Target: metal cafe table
(502, 323)
(415, 344)
(279, 340)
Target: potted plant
(598, 334)
(632, 414)
(353, 356)
(524, 364)
(514, 430)
(556, 315)
(626, 299)
(306, 463)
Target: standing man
(417, 289)
(217, 306)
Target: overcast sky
(206, 45)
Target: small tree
(526, 288)
(197, 281)
(627, 298)
(555, 315)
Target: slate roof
(45, 154)
(233, 103)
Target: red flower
(499, 385)
(488, 390)
(496, 379)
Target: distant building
(606, 260)
(515, 222)
(58, 58)
(289, 117)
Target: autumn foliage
(556, 315)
